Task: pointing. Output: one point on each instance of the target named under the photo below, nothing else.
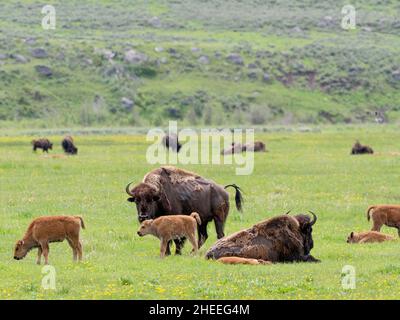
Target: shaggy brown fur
(45, 230)
(257, 146)
(69, 146)
(388, 215)
(43, 144)
(279, 239)
(170, 228)
(238, 260)
(368, 237)
(171, 142)
(358, 148)
(169, 190)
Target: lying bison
(280, 239)
(43, 144)
(257, 146)
(68, 145)
(358, 148)
(171, 142)
(234, 148)
(170, 191)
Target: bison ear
(132, 199)
(156, 198)
(352, 235)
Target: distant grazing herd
(173, 203)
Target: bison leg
(219, 227)
(80, 251)
(377, 226)
(163, 249)
(203, 235)
(45, 251)
(73, 246)
(309, 258)
(193, 242)
(179, 243)
(39, 256)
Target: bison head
(306, 230)
(148, 201)
(20, 250)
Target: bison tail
(196, 216)
(82, 222)
(369, 210)
(238, 196)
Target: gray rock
(196, 50)
(396, 75)
(163, 60)
(3, 56)
(134, 57)
(266, 77)
(155, 22)
(252, 66)
(158, 49)
(127, 103)
(44, 71)
(106, 53)
(30, 41)
(204, 60)
(19, 58)
(235, 58)
(253, 75)
(39, 53)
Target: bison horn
(315, 218)
(289, 211)
(127, 189)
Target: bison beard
(279, 239)
(169, 191)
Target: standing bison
(170, 191)
(43, 144)
(280, 239)
(358, 148)
(171, 142)
(68, 145)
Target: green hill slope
(201, 62)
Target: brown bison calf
(45, 230)
(238, 260)
(173, 227)
(368, 237)
(384, 215)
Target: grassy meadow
(302, 171)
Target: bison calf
(238, 260)
(45, 230)
(368, 237)
(169, 228)
(43, 144)
(384, 215)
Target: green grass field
(303, 171)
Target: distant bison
(43, 144)
(257, 146)
(68, 145)
(234, 148)
(368, 237)
(169, 191)
(171, 142)
(358, 148)
(384, 215)
(280, 239)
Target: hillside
(119, 63)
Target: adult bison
(257, 146)
(170, 141)
(68, 145)
(43, 144)
(169, 191)
(279, 239)
(358, 148)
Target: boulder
(39, 53)
(44, 71)
(235, 58)
(204, 60)
(127, 103)
(135, 57)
